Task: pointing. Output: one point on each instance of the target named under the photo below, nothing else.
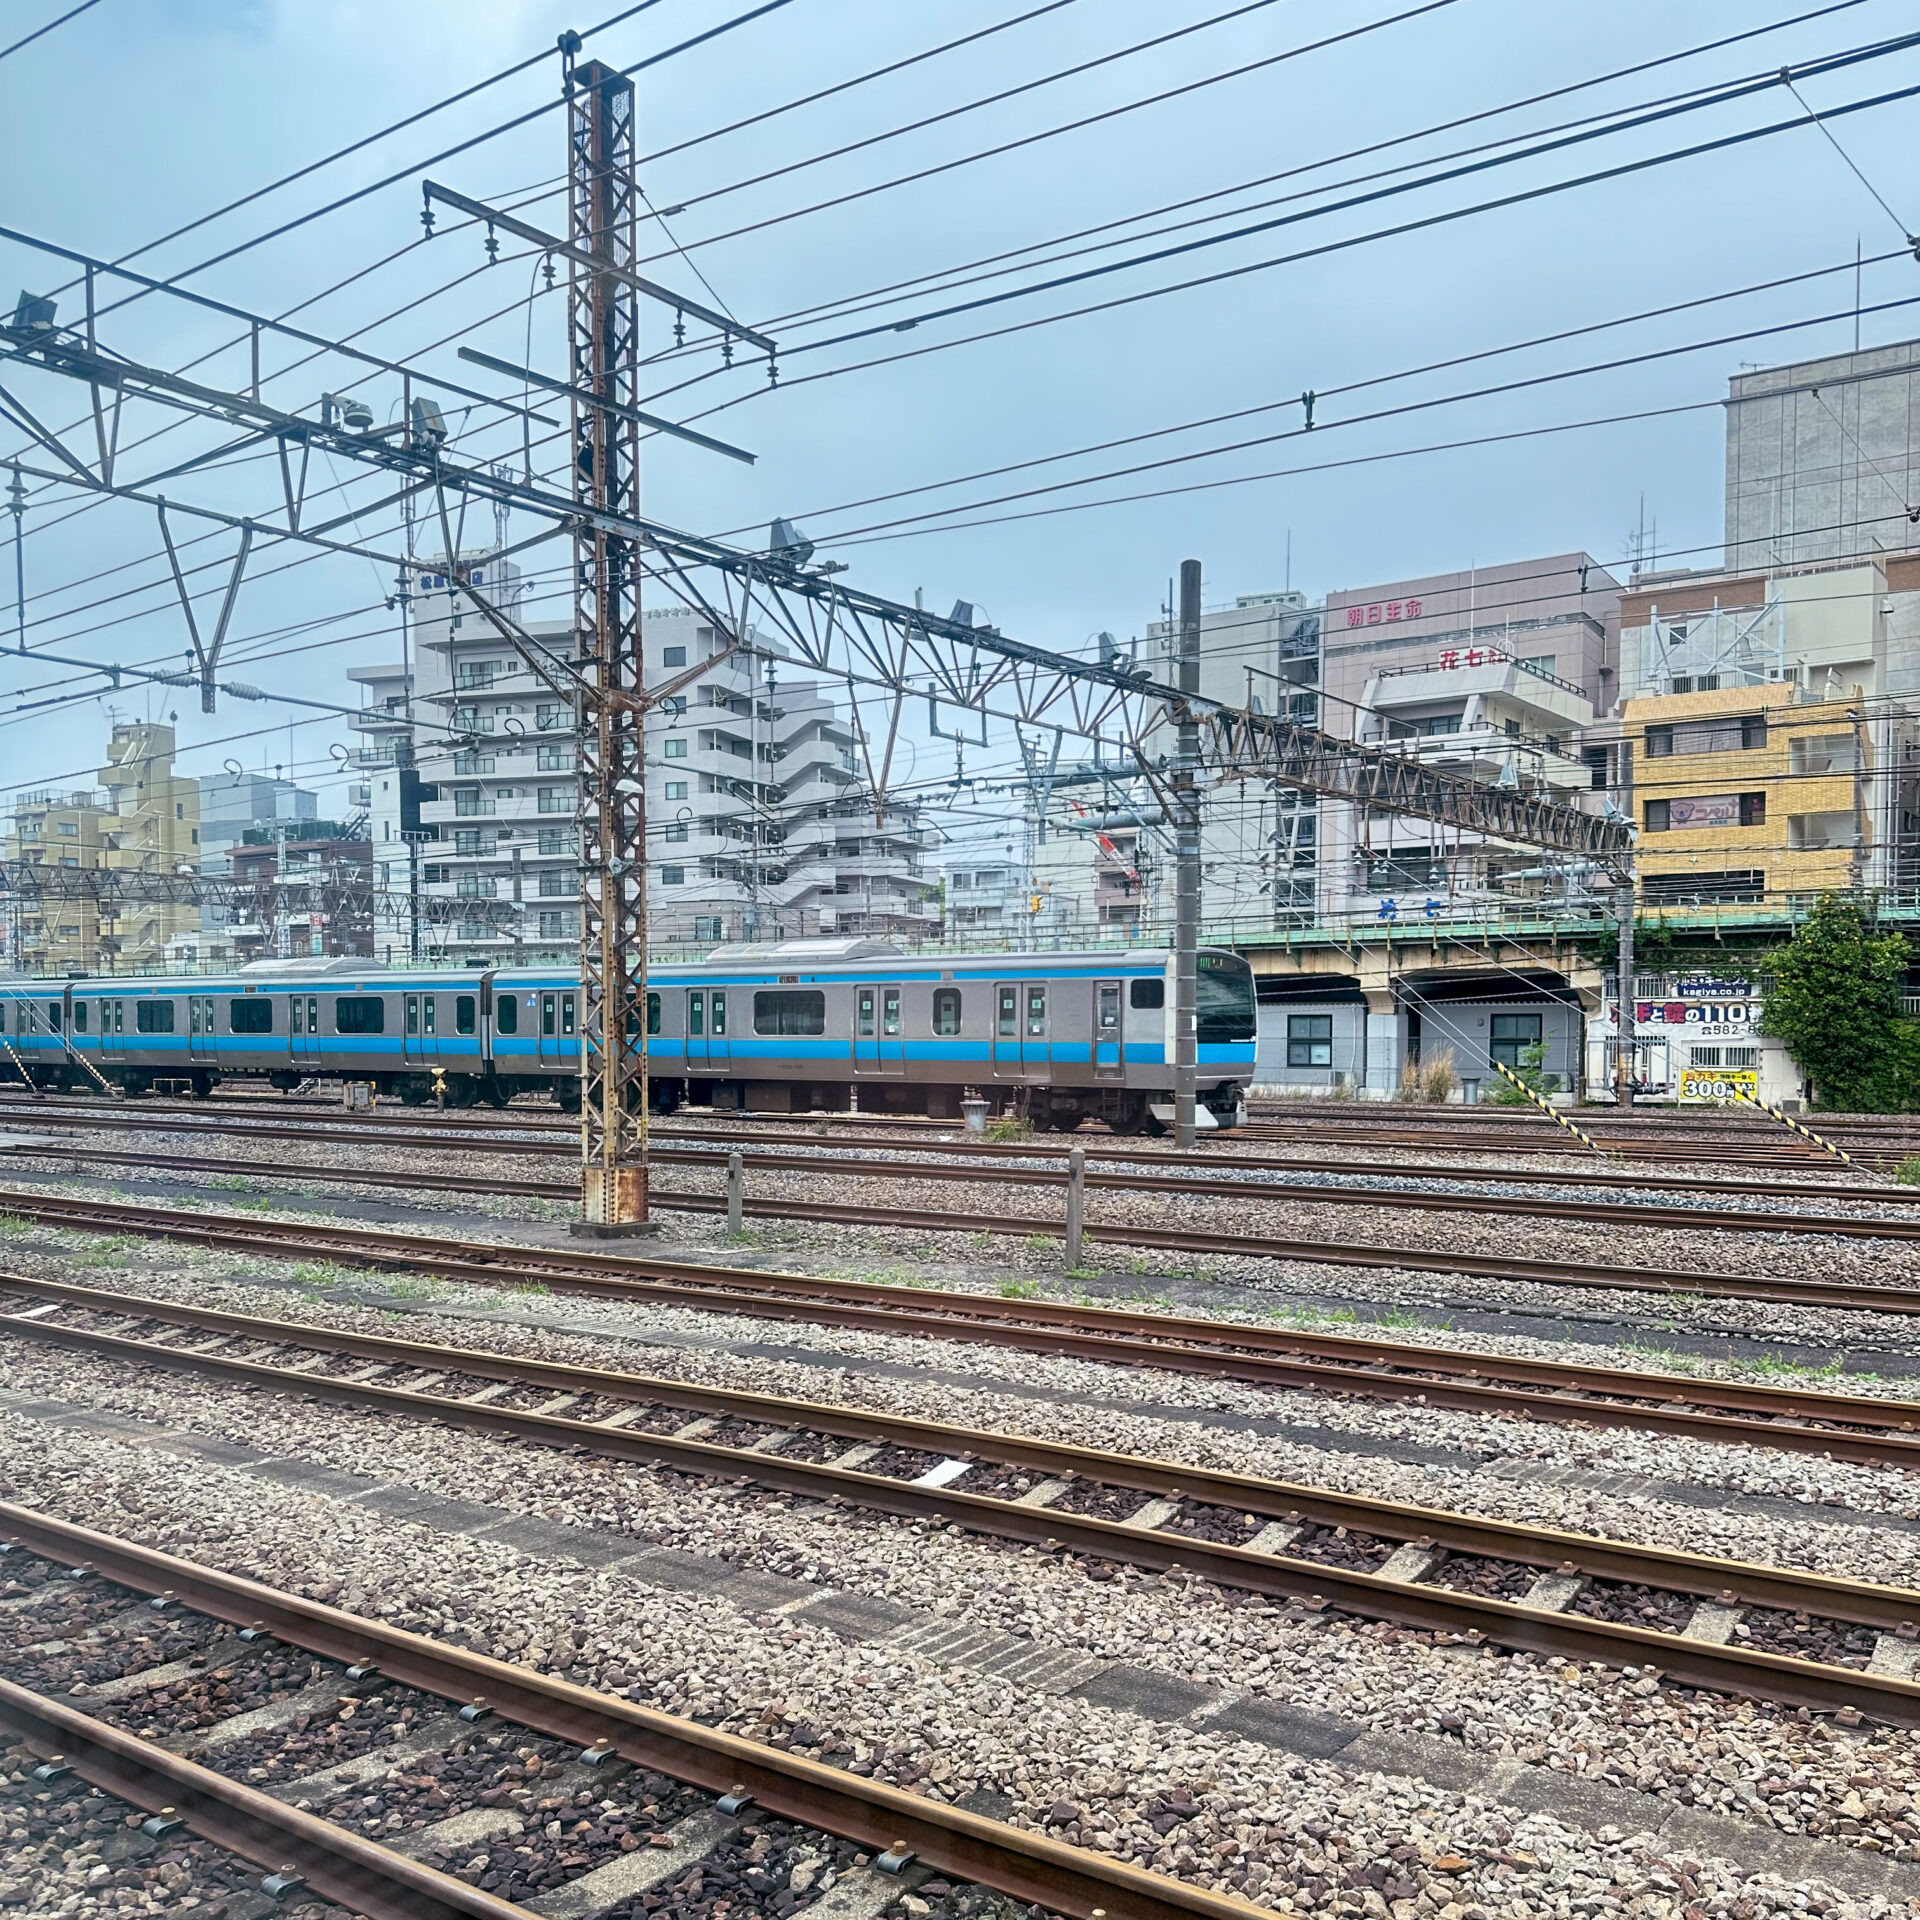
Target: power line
(1054, 132)
(970, 273)
(1739, 90)
(1521, 385)
(72, 13)
(1353, 386)
(1326, 248)
(1014, 93)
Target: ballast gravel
(1703, 1751)
(1223, 1813)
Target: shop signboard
(1715, 1083)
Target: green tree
(1836, 1003)
(1530, 1071)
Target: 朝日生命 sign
(1374, 612)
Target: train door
(417, 1047)
(303, 1031)
(559, 1030)
(879, 1046)
(113, 1026)
(1109, 1057)
(1022, 1046)
(705, 1029)
(202, 1048)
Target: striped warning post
(20, 1067)
(1787, 1120)
(1547, 1107)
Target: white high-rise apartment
(760, 821)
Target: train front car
(1223, 1007)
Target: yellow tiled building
(147, 820)
(1750, 796)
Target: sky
(141, 116)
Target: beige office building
(143, 819)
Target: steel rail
(1026, 1866)
(1869, 1430)
(352, 1872)
(465, 1129)
(1848, 1226)
(1704, 1575)
(1722, 1668)
(1647, 1125)
(1669, 1282)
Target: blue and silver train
(804, 1026)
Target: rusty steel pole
(603, 307)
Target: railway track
(1367, 1124)
(689, 1798)
(1800, 1639)
(1672, 1282)
(529, 1137)
(1861, 1428)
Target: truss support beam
(603, 305)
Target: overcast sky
(141, 115)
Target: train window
(946, 1011)
(463, 1013)
(119, 1017)
(653, 1013)
(53, 1017)
(3, 1015)
(413, 1013)
(864, 1029)
(299, 1014)
(696, 1014)
(1036, 1013)
(153, 1016)
(546, 1015)
(252, 1015)
(1145, 995)
(79, 1016)
(719, 1026)
(1109, 1009)
(890, 1010)
(193, 1010)
(566, 1013)
(1009, 1013)
(363, 1013)
(427, 1021)
(790, 1012)
(1309, 1039)
(506, 1013)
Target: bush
(1530, 1072)
(1836, 1003)
(1441, 1073)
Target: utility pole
(603, 306)
(1186, 860)
(1623, 994)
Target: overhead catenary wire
(798, 315)
(39, 33)
(1464, 170)
(1355, 386)
(1519, 385)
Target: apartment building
(142, 819)
(760, 820)
(1769, 744)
